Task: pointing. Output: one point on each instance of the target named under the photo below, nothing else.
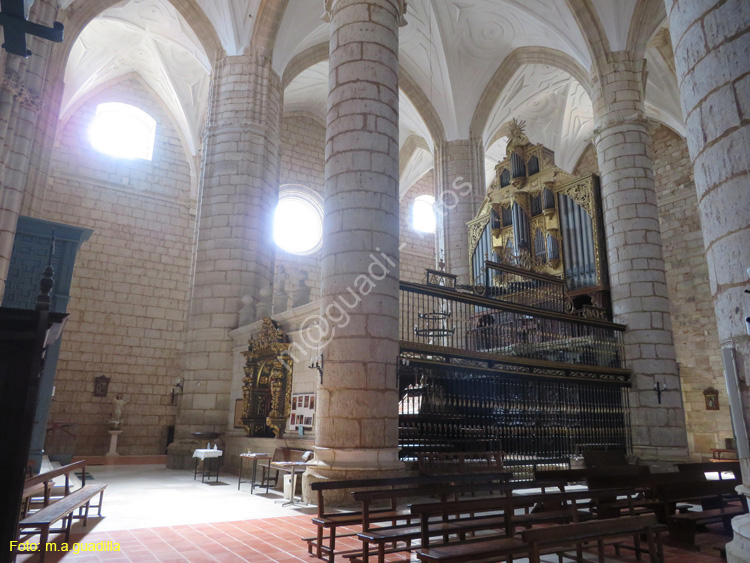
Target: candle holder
(317, 365)
(659, 387)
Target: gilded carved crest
(267, 385)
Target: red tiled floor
(274, 540)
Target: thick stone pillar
(711, 41)
(234, 249)
(21, 100)
(636, 264)
(459, 167)
(356, 432)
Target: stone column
(234, 249)
(459, 167)
(710, 40)
(21, 100)
(636, 264)
(356, 432)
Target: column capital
(618, 91)
(400, 6)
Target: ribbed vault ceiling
(449, 48)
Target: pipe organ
(540, 218)
(524, 360)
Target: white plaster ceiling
(233, 21)
(615, 16)
(419, 164)
(151, 39)
(663, 92)
(308, 92)
(556, 108)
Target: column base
(738, 550)
(333, 464)
(666, 455)
(180, 453)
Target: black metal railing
(534, 421)
(437, 318)
(523, 287)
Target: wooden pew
(550, 539)
(43, 484)
(711, 467)
(459, 462)
(713, 497)
(558, 538)
(62, 509)
(330, 521)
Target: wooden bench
(498, 513)
(43, 484)
(62, 509)
(713, 497)
(551, 539)
(561, 538)
(405, 533)
(459, 462)
(330, 521)
(711, 467)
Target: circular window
(298, 221)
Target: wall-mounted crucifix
(16, 27)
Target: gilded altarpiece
(267, 385)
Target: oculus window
(298, 220)
(423, 214)
(123, 131)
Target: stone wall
(693, 318)
(302, 162)
(129, 297)
(418, 249)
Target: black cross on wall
(16, 27)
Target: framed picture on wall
(303, 411)
(238, 408)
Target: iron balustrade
(438, 318)
(523, 287)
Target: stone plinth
(113, 436)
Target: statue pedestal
(113, 434)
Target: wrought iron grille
(440, 319)
(523, 287)
(535, 421)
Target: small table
(210, 460)
(291, 467)
(255, 457)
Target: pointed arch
(648, 17)
(592, 30)
(510, 65)
(319, 53)
(267, 24)
(81, 12)
(302, 61)
(423, 105)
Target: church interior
(374, 239)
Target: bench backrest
(581, 531)
(711, 467)
(599, 458)
(459, 462)
(574, 475)
(675, 492)
(647, 481)
(64, 470)
(406, 483)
